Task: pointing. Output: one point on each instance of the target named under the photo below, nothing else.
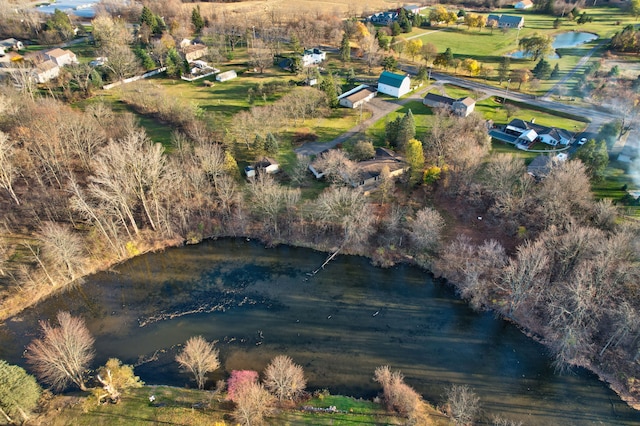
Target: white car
(582, 141)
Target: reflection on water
(339, 325)
(81, 8)
(561, 41)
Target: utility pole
(506, 92)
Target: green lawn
(178, 406)
(488, 47)
(422, 116)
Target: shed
(227, 75)
(395, 85)
(269, 165)
(356, 97)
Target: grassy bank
(192, 407)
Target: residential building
(461, 107)
(357, 97)
(524, 4)
(11, 44)
(47, 70)
(415, 9)
(523, 133)
(61, 57)
(506, 21)
(383, 18)
(194, 51)
(313, 57)
(395, 85)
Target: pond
(562, 41)
(339, 325)
(80, 8)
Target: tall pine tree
(345, 48)
(197, 20)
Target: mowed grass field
(488, 47)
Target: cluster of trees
(626, 40)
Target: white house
(227, 75)
(11, 44)
(524, 4)
(313, 57)
(61, 57)
(356, 97)
(395, 85)
(554, 136)
(46, 71)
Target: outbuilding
(227, 75)
(395, 85)
(357, 97)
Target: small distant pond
(562, 41)
(80, 8)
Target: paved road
(596, 114)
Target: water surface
(561, 41)
(339, 325)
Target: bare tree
(63, 353)
(271, 200)
(463, 404)
(199, 357)
(260, 55)
(253, 403)
(426, 228)
(336, 167)
(399, 396)
(284, 378)
(346, 209)
(371, 50)
(8, 169)
(62, 249)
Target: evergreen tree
(391, 130)
(556, 71)
(173, 63)
(448, 56)
(395, 29)
(61, 23)
(351, 76)
(19, 393)
(389, 63)
(328, 86)
(415, 158)
(542, 70)
(271, 144)
(595, 157)
(196, 19)
(406, 130)
(149, 18)
(295, 45)
(259, 144)
(145, 58)
(345, 48)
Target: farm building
(357, 97)
(194, 51)
(227, 75)
(395, 85)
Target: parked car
(582, 141)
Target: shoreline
(164, 244)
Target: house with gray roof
(461, 107)
(506, 21)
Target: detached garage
(356, 97)
(395, 85)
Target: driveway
(379, 108)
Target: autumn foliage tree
(63, 353)
(400, 397)
(115, 379)
(199, 357)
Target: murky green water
(339, 325)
